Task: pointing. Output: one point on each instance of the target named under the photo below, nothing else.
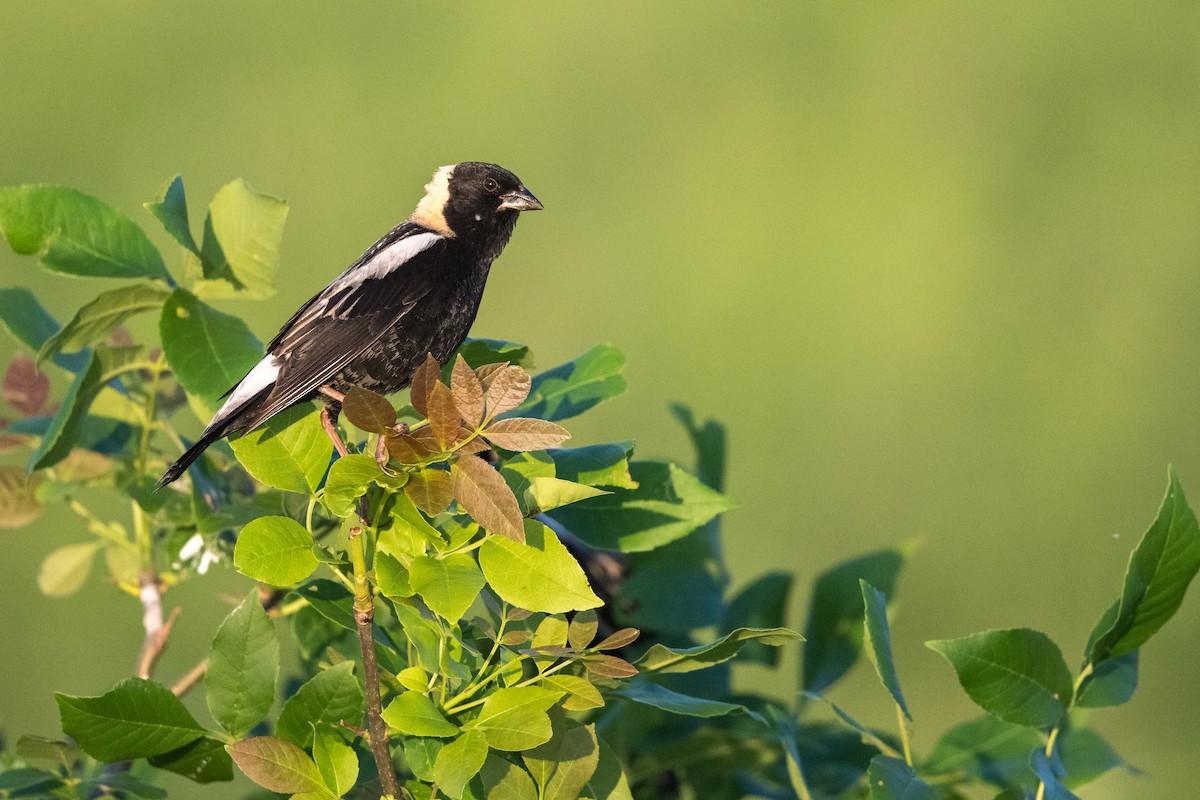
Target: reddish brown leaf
(474, 446)
(431, 490)
(368, 411)
(506, 390)
(610, 667)
(10, 442)
(489, 371)
(486, 497)
(405, 449)
(423, 380)
(525, 433)
(443, 416)
(25, 389)
(516, 637)
(467, 391)
(18, 501)
(622, 638)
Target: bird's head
(474, 202)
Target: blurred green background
(934, 265)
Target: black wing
(332, 329)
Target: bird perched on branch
(415, 291)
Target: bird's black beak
(520, 200)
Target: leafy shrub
(464, 592)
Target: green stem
(454, 709)
(1052, 739)
(904, 735)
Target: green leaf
(477, 352)
(539, 575)
(409, 530)
(414, 714)
(248, 229)
(331, 600)
(420, 753)
(336, 762)
(651, 694)
(546, 494)
(275, 550)
(330, 697)
(447, 585)
(1112, 682)
(502, 780)
(988, 749)
(203, 761)
(290, 451)
(391, 577)
(171, 210)
(243, 668)
(515, 718)
(709, 440)
(1017, 674)
(276, 764)
(762, 603)
(66, 569)
(570, 389)
(76, 234)
(579, 693)
(834, 630)
(31, 325)
(459, 761)
(562, 766)
(349, 478)
(1085, 756)
(208, 351)
(1160, 569)
(878, 642)
(485, 496)
(582, 629)
(67, 423)
(660, 658)
(892, 779)
(668, 504)
(96, 319)
(431, 489)
(595, 465)
(135, 719)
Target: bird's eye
(491, 185)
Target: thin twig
(191, 679)
(157, 631)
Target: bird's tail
(184, 461)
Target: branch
(157, 631)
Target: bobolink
(415, 291)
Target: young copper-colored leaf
(467, 391)
(486, 497)
(25, 389)
(408, 448)
(430, 490)
(368, 411)
(506, 390)
(423, 380)
(525, 433)
(489, 371)
(582, 629)
(610, 667)
(472, 447)
(516, 637)
(622, 638)
(442, 415)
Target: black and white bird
(415, 291)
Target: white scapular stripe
(387, 260)
(263, 375)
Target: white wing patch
(263, 375)
(386, 261)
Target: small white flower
(191, 547)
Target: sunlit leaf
(507, 388)
(570, 389)
(515, 718)
(459, 761)
(1018, 674)
(243, 668)
(595, 465)
(423, 380)
(430, 490)
(578, 693)
(414, 714)
(539, 574)
(209, 351)
(76, 234)
(136, 719)
(1160, 569)
(336, 761)
(19, 505)
(444, 420)
(330, 697)
(97, 318)
(290, 451)
(276, 764)
(368, 411)
(562, 766)
(248, 228)
(275, 550)
(171, 210)
(66, 569)
(467, 392)
(524, 433)
(503, 780)
(447, 585)
(660, 658)
(582, 629)
(486, 497)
